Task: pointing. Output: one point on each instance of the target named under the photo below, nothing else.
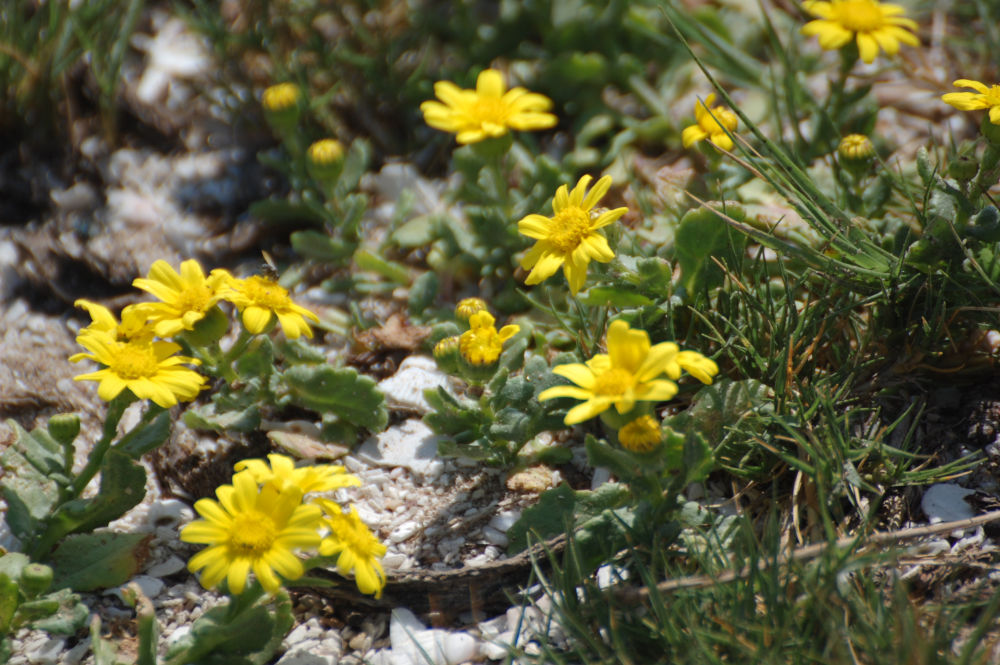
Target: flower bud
(36, 578)
(446, 353)
(64, 428)
(467, 307)
(641, 435)
(326, 158)
(856, 153)
(281, 105)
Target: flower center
(859, 15)
(569, 227)
(615, 381)
(489, 109)
(194, 298)
(134, 361)
(253, 533)
(480, 346)
(265, 293)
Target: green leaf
(701, 235)
(299, 352)
(257, 360)
(343, 392)
(623, 464)
(30, 495)
(217, 635)
(283, 211)
(146, 436)
(89, 561)
(59, 612)
(320, 246)
(423, 293)
(418, 232)
(213, 417)
(39, 449)
(123, 486)
(391, 270)
(8, 602)
(560, 507)
(609, 296)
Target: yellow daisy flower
(625, 375)
(186, 297)
(710, 123)
(147, 368)
(251, 528)
(260, 299)
(871, 24)
(284, 475)
(488, 111)
(571, 237)
(482, 344)
(640, 435)
(983, 98)
(357, 546)
(132, 326)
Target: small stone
(945, 502)
(47, 653)
(404, 390)
(494, 650)
(404, 531)
(172, 565)
(305, 655)
(411, 444)
(459, 647)
(360, 642)
(503, 521)
(533, 480)
(495, 537)
(168, 513)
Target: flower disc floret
(482, 343)
(712, 124)
(325, 152)
(625, 375)
(260, 299)
(148, 369)
(871, 24)
(488, 111)
(856, 148)
(469, 306)
(356, 547)
(984, 97)
(281, 472)
(571, 238)
(251, 528)
(186, 296)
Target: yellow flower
(983, 98)
(132, 326)
(260, 299)
(487, 111)
(481, 344)
(325, 152)
(147, 368)
(640, 435)
(280, 97)
(870, 23)
(625, 375)
(186, 297)
(856, 148)
(469, 306)
(284, 475)
(358, 548)
(711, 124)
(251, 528)
(571, 237)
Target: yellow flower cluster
(868, 23)
(631, 371)
(261, 520)
(134, 360)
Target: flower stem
(116, 408)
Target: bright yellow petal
(564, 391)
(981, 88)
(578, 373)
(867, 47)
(490, 83)
(534, 226)
(692, 134)
(576, 196)
(587, 410)
(598, 191)
(656, 391)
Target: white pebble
(47, 653)
(168, 513)
(495, 537)
(172, 565)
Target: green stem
(225, 363)
(116, 408)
